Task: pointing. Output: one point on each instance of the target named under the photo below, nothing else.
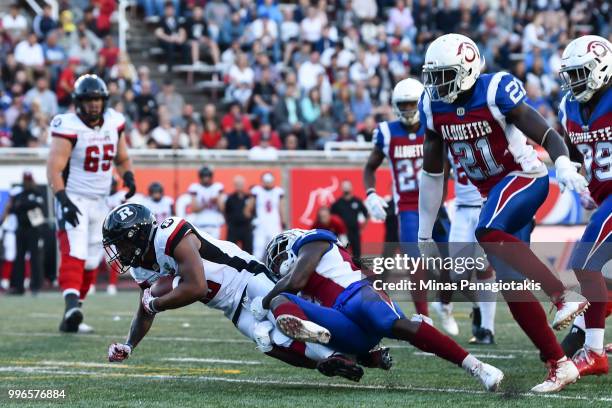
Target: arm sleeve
(431, 190)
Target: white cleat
(560, 374)
(445, 312)
(569, 305)
(302, 330)
(84, 328)
(4, 284)
(490, 377)
(111, 290)
(92, 290)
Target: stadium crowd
(296, 75)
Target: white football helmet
(279, 256)
(586, 66)
(452, 65)
(407, 90)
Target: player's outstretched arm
(305, 265)
(141, 323)
(533, 125)
(431, 186)
(193, 285)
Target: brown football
(162, 286)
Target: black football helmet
(89, 87)
(156, 187)
(127, 233)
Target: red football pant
(7, 268)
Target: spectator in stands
(331, 222)
(92, 37)
(232, 29)
(238, 212)
(129, 105)
(211, 135)
(288, 114)
(146, 103)
(325, 127)
(197, 33)
(265, 30)
(166, 136)
(292, 142)
(273, 10)
(44, 97)
(123, 72)
(101, 69)
(360, 103)
(312, 26)
(266, 131)
(67, 22)
(109, 51)
(55, 55)
(105, 9)
(30, 53)
(89, 20)
(233, 116)
(171, 36)
(15, 23)
(16, 109)
(144, 76)
(217, 14)
(187, 117)
(21, 135)
(140, 134)
(241, 80)
(209, 113)
(44, 23)
(85, 52)
(309, 71)
(353, 213)
(171, 99)
(237, 137)
(360, 71)
(311, 106)
(6, 46)
(264, 97)
(264, 150)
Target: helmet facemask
(443, 83)
(577, 80)
(408, 116)
(279, 256)
(128, 251)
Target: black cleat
(483, 337)
(338, 365)
(377, 358)
(476, 320)
(71, 321)
(573, 341)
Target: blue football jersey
(404, 151)
(487, 147)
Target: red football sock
(419, 297)
(593, 287)
(7, 268)
(530, 315)
(89, 278)
(70, 275)
(289, 308)
(486, 274)
(293, 355)
(113, 273)
(27, 270)
(519, 256)
(445, 296)
(429, 339)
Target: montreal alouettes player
(84, 147)
(586, 115)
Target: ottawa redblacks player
(84, 146)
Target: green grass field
(194, 357)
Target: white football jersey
(465, 192)
(267, 205)
(227, 268)
(207, 196)
(90, 168)
(161, 209)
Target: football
(163, 285)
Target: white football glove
(147, 301)
(568, 176)
(118, 352)
(257, 309)
(376, 206)
(261, 335)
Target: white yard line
(485, 356)
(107, 336)
(316, 385)
(211, 361)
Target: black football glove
(69, 210)
(128, 181)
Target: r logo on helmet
(125, 214)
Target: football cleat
(483, 337)
(111, 290)
(589, 362)
(560, 374)
(71, 321)
(569, 305)
(302, 330)
(377, 358)
(490, 377)
(445, 312)
(339, 365)
(573, 341)
(84, 328)
(4, 284)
